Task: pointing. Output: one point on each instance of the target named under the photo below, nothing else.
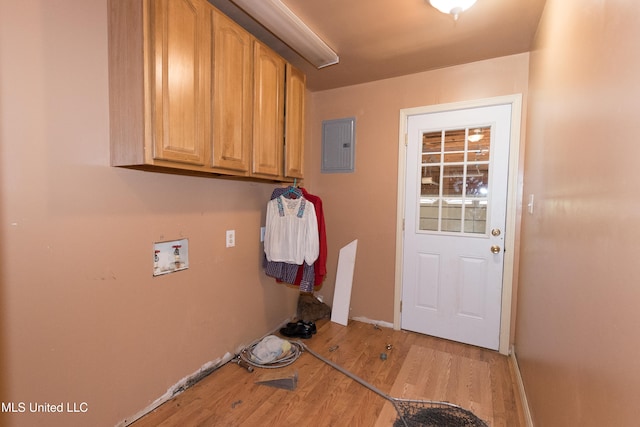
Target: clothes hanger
(293, 190)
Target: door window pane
(475, 217)
(477, 180)
(431, 147)
(454, 143)
(452, 180)
(452, 216)
(430, 181)
(479, 144)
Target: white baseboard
(373, 322)
(523, 395)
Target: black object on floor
(311, 308)
(298, 330)
(311, 325)
(288, 382)
(444, 416)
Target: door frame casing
(512, 204)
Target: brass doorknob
(495, 249)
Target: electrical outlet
(231, 238)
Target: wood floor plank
(416, 366)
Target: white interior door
(454, 232)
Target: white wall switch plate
(170, 256)
(231, 238)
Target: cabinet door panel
(294, 123)
(268, 121)
(232, 108)
(180, 66)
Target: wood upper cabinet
(160, 82)
(295, 87)
(180, 78)
(192, 92)
(268, 112)
(232, 95)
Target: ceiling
(378, 39)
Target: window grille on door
(454, 180)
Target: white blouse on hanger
(291, 233)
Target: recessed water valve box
(170, 256)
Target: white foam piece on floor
(344, 283)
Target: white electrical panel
(170, 256)
(338, 145)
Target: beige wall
(362, 205)
(82, 318)
(578, 318)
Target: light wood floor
(417, 367)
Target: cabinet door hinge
(406, 139)
(400, 306)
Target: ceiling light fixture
(476, 135)
(286, 25)
(452, 7)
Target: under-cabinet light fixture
(284, 24)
